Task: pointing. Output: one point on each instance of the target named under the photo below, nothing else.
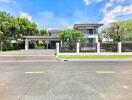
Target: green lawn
(93, 56)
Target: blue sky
(65, 13)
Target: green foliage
(71, 36)
(119, 30)
(15, 27)
(44, 32)
(27, 28)
(7, 45)
(40, 44)
(1, 34)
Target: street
(58, 80)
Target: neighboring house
(54, 33)
(89, 30)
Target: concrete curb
(26, 55)
(13, 61)
(99, 59)
(59, 59)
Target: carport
(50, 40)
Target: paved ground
(30, 52)
(57, 80)
(23, 55)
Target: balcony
(88, 31)
(91, 35)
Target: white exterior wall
(94, 36)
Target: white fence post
(57, 48)
(26, 44)
(78, 48)
(119, 47)
(98, 47)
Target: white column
(119, 47)
(97, 39)
(78, 48)
(61, 43)
(98, 47)
(26, 44)
(57, 48)
(47, 44)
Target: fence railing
(109, 47)
(93, 48)
(126, 47)
(67, 47)
(88, 47)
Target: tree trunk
(1, 46)
(16, 44)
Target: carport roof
(40, 37)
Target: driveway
(22, 55)
(66, 80)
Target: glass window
(90, 31)
(49, 34)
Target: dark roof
(88, 25)
(55, 30)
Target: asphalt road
(66, 80)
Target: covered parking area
(50, 41)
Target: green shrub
(7, 46)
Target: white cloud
(88, 2)
(111, 4)
(8, 1)
(114, 9)
(47, 19)
(113, 14)
(25, 15)
(117, 1)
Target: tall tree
(128, 29)
(71, 36)
(16, 27)
(118, 30)
(44, 32)
(4, 22)
(14, 30)
(27, 27)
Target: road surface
(55, 80)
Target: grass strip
(93, 56)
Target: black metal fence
(109, 47)
(67, 47)
(126, 47)
(88, 47)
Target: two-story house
(89, 30)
